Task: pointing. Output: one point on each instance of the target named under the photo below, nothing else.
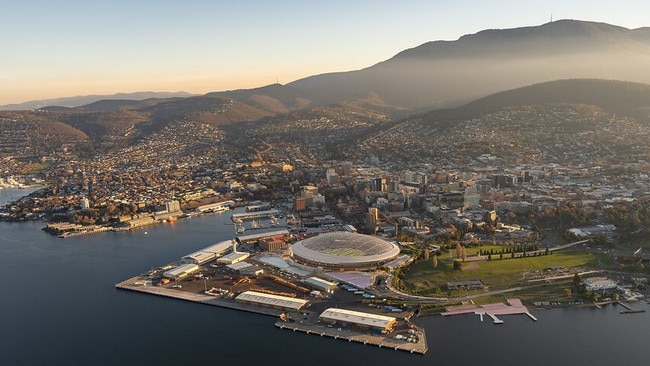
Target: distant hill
(77, 101)
(450, 73)
(624, 98)
(275, 98)
(35, 133)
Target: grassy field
(425, 279)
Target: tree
(577, 280)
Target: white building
(233, 258)
(85, 204)
(271, 301)
(208, 254)
(181, 271)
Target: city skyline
(79, 48)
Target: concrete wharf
(134, 284)
(381, 341)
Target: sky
(67, 48)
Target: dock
(629, 309)
(134, 284)
(513, 307)
(381, 341)
(254, 215)
(138, 284)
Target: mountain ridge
(444, 74)
(80, 100)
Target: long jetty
(388, 342)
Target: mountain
(439, 74)
(448, 73)
(87, 99)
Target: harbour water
(59, 307)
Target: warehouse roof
(210, 252)
(272, 300)
(357, 317)
(182, 270)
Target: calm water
(59, 307)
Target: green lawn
(422, 278)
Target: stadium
(344, 250)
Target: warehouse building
(208, 254)
(246, 269)
(271, 301)
(181, 271)
(320, 284)
(233, 257)
(378, 324)
(254, 238)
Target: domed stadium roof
(345, 249)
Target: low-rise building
(271, 301)
(181, 271)
(375, 323)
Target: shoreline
(138, 284)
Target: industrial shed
(271, 301)
(320, 284)
(379, 324)
(181, 271)
(246, 269)
(208, 254)
(233, 257)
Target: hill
(624, 98)
(77, 101)
(26, 133)
(570, 122)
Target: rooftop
(272, 300)
(357, 317)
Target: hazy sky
(66, 48)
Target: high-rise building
(85, 204)
(173, 206)
(471, 198)
(374, 211)
(299, 204)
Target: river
(59, 307)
